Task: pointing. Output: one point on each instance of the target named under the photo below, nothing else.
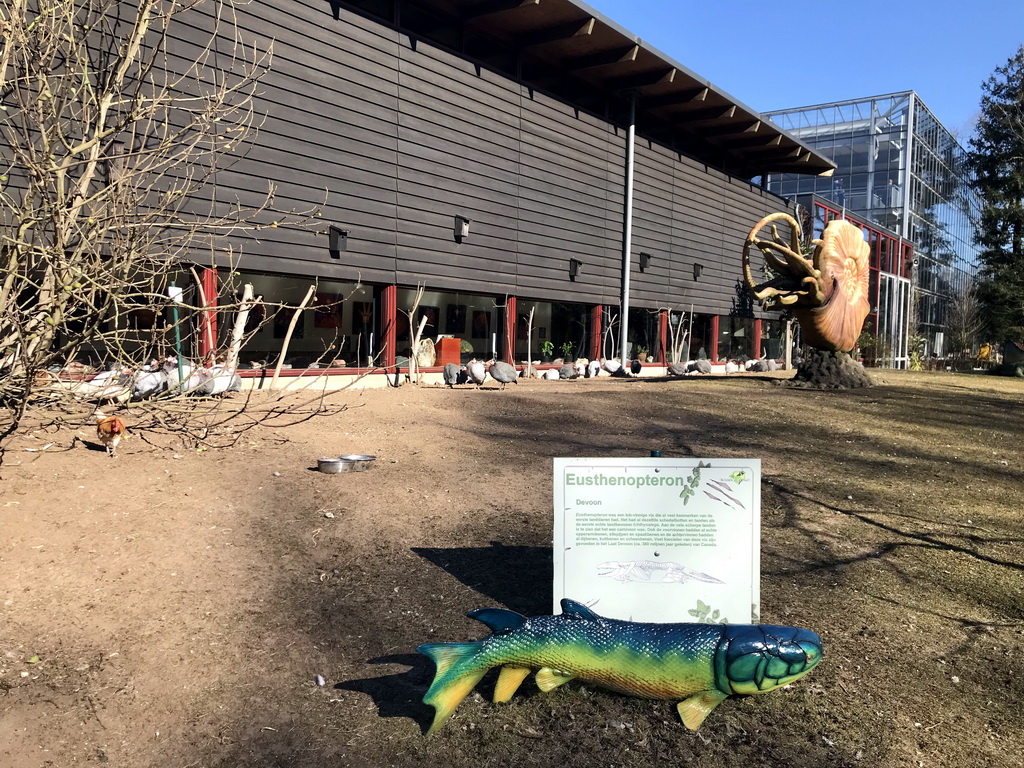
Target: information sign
(659, 539)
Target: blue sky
(779, 55)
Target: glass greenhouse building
(901, 168)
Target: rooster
(109, 430)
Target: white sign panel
(659, 539)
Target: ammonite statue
(827, 292)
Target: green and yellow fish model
(701, 664)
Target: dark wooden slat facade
(400, 136)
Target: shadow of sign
(516, 577)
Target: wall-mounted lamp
(337, 241)
(645, 261)
(575, 265)
(697, 270)
(461, 227)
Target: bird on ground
(170, 368)
(613, 366)
(636, 367)
(503, 373)
(731, 367)
(757, 366)
(476, 372)
(568, 372)
(150, 380)
(593, 369)
(109, 430)
(699, 366)
(452, 372)
(581, 368)
(213, 380)
(677, 369)
(772, 365)
(112, 384)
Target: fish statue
(702, 664)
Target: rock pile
(830, 370)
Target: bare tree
(112, 136)
(965, 319)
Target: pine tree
(997, 159)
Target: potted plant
(567, 351)
(641, 353)
(547, 349)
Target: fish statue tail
(458, 671)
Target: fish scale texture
(658, 661)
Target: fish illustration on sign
(700, 664)
(653, 571)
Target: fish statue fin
(574, 610)
(457, 673)
(548, 679)
(694, 709)
(498, 620)
(509, 679)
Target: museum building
(507, 157)
(900, 169)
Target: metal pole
(175, 295)
(627, 236)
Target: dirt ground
(173, 608)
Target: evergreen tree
(997, 159)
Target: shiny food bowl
(357, 462)
(330, 466)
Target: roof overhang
(562, 43)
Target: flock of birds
(120, 384)
(157, 377)
(476, 372)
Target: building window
(563, 329)
(339, 327)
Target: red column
(713, 351)
(755, 350)
(510, 330)
(388, 311)
(595, 331)
(208, 316)
(662, 336)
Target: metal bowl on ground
(330, 466)
(357, 462)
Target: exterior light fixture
(697, 270)
(461, 228)
(575, 265)
(645, 261)
(337, 241)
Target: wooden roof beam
(491, 7)
(689, 96)
(654, 77)
(558, 32)
(603, 58)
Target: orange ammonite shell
(844, 258)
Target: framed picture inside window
(481, 324)
(327, 311)
(455, 319)
(283, 318)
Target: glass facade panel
(773, 339)
(735, 338)
(899, 167)
(339, 327)
(475, 320)
(565, 326)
